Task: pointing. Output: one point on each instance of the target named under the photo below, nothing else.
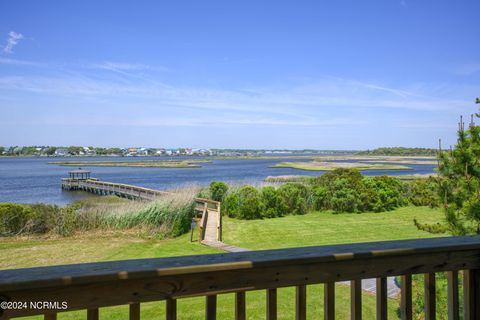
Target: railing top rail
(90, 273)
(207, 200)
(105, 183)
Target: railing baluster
(453, 307)
(356, 299)
(471, 294)
(50, 316)
(301, 303)
(211, 309)
(240, 313)
(429, 290)
(406, 297)
(381, 298)
(135, 311)
(272, 304)
(171, 309)
(92, 314)
(329, 300)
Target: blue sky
(237, 74)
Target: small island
(140, 164)
(329, 166)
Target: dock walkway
(110, 188)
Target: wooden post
(272, 304)
(453, 307)
(329, 300)
(406, 298)
(301, 303)
(171, 312)
(471, 294)
(356, 299)
(382, 299)
(240, 310)
(211, 308)
(429, 290)
(135, 311)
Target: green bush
(14, 218)
(218, 190)
(383, 193)
(345, 190)
(250, 205)
(274, 204)
(230, 205)
(294, 197)
(423, 192)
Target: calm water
(31, 180)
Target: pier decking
(81, 180)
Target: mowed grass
(322, 228)
(316, 228)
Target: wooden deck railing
(94, 285)
(202, 206)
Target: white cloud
(128, 67)
(16, 62)
(12, 41)
(467, 69)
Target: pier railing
(111, 188)
(132, 282)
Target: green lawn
(322, 228)
(293, 231)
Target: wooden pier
(80, 180)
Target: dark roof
(79, 171)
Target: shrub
(383, 193)
(250, 204)
(423, 192)
(230, 205)
(218, 190)
(293, 196)
(14, 218)
(320, 197)
(274, 206)
(344, 190)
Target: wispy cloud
(12, 41)
(16, 62)
(128, 67)
(467, 69)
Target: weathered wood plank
(171, 309)
(329, 301)
(211, 307)
(301, 303)
(406, 298)
(453, 305)
(381, 296)
(272, 304)
(240, 306)
(429, 291)
(134, 311)
(356, 299)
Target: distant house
(61, 152)
(160, 152)
(132, 151)
(142, 152)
